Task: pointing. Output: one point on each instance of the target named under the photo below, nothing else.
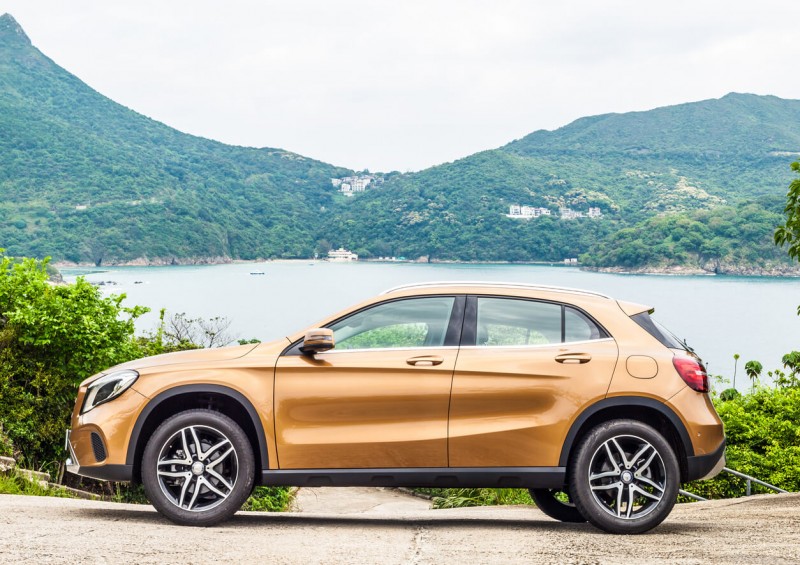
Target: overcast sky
(407, 84)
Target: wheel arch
(180, 398)
(646, 410)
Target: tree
(753, 370)
(788, 233)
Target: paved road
(385, 526)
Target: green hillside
(676, 161)
(84, 179)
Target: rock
(7, 464)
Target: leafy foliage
(270, 499)
(460, 498)
(720, 240)
(763, 441)
(788, 233)
(52, 338)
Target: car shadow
(254, 519)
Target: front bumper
(122, 473)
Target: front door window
(419, 322)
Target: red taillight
(692, 373)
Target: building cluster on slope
(528, 212)
(358, 183)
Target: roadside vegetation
(15, 482)
(52, 337)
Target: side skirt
(446, 477)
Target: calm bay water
(717, 315)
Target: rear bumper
(702, 467)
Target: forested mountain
(84, 179)
(674, 161)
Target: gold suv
(581, 398)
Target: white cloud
(404, 85)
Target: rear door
(524, 369)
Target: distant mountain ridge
(742, 123)
(87, 180)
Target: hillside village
(528, 212)
(357, 183)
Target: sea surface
(717, 315)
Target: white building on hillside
(350, 185)
(526, 212)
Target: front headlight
(108, 388)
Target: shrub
(763, 441)
(270, 499)
(459, 498)
(51, 338)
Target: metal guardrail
(749, 481)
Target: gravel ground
(364, 525)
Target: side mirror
(317, 341)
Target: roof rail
(525, 286)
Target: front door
(380, 398)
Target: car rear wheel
(624, 477)
(198, 468)
(557, 504)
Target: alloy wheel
(627, 477)
(197, 468)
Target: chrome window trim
(489, 285)
(384, 349)
(539, 345)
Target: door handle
(573, 358)
(425, 360)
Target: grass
(16, 483)
(459, 498)
(263, 499)
(270, 499)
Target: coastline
(786, 271)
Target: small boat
(257, 273)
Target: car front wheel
(624, 477)
(198, 468)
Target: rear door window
(520, 322)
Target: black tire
(563, 511)
(624, 477)
(198, 468)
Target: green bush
(51, 338)
(270, 499)
(459, 498)
(763, 441)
